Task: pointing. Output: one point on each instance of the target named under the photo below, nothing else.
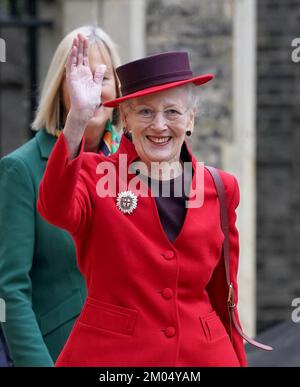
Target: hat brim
(200, 80)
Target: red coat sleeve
(217, 288)
(64, 200)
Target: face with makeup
(158, 123)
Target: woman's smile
(159, 140)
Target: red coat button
(168, 254)
(170, 331)
(167, 293)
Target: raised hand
(84, 87)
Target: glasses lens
(172, 114)
(147, 115)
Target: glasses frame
(154, 114)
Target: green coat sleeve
(17, 240)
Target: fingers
(79, 53)
(99, 73)
(72, 57)
(80, 50)
(85, 52)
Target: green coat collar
(45, 143)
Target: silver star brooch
(126, 202)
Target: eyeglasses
(147, 115)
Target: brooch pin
(127, 202)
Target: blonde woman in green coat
(39, 280)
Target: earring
(188, 133)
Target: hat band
(155, 81)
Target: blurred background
(248, 123)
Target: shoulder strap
(226, 253)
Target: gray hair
(193, 99)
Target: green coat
(39, 280)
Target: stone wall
(278, 139)
(204, 29)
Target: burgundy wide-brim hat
(155, 73)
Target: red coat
(150, 302)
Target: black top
(172, 207)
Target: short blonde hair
(49, 111)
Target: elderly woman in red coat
(157, 290)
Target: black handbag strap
(226, 254)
